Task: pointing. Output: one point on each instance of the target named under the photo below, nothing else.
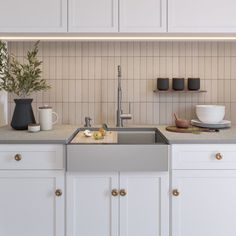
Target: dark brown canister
(193, 83)
(163, 84)
(178, 84)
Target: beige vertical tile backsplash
(83, 76)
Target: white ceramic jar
(46, 117)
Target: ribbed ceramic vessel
(23, 114)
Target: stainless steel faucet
(119, 113)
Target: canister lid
(33, 125)
(45, 107)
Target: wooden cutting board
(110, 137)
(191, 129)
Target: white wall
(3, 108)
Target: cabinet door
(201, 16)
(205, 203)
(142, 16)
(33, 16)
(93, 16)
(91, 208)
(29, 205)
(144, 209)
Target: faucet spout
(119, 99)
(119, 113)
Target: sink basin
(138, 149)
(139, 136)
(136, 135)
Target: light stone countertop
(225, 136)
(60, 134)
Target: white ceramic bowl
(210, 114)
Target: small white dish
(33, 128)
(221, 125)
(87, 133)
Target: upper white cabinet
(201, 16)
(125, 16)
(106, 15)
(142, 16)
(93, 16)
(33, 16)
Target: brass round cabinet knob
(18, 157)
(175, 192)
(114, 192)
(123, 192)
(219, 156)
(58, 192)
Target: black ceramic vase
(23, 114)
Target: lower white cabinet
(204, 199)
(32, 203)
(32, 196)
(144, 208)
(91, 209)
(203, 203)
(112, 204)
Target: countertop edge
(201, 142)
(34, 142)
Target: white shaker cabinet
(33, 16)
(145, 205)
(143, 16)
(93, 16)
(112, 204)
(201, 16)
(91, 207)
(107, 15)
(203, 190)
(29, 203)
(203, 202)
(32, 196)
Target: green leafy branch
(21, 79)
(3, 58)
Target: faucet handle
(126, 116)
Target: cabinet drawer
(38, 157)
(204, 156)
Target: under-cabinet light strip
(110, 38)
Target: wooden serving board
(110, 137)
(191, 129)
